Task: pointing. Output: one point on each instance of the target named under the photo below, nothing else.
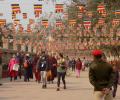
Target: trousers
(44, 77)
(98, 95)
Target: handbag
(15, 67)
(37, 76)
(49, 75)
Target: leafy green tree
(113, 4)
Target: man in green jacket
(101, 76)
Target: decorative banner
(104, 14)
(24, 15)
(72, 22)
(117, 12)
(2, 22)
(16, 22)
(79, 26)
(45, 23)
(89, 14)
(31, 21)
(59, 23)
(13, 16)
(116, 22)
(15, 8)
(80, 15)
(81, 8)
(37, 10)
(87, 25)
(101, 21)
(101, 8)
(59, 8)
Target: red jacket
(79, 65)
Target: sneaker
(64, 87)
(43, 86)
(58, 89)
(114, 96)
(10, 79)
(1, 84)
(20, 77)
(52, 82)
(38, 81)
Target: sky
(27, 7)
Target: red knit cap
(97, 52)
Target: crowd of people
(46, 67)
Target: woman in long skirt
(12, 72)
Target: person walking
(101, 76)
(13, 73)
(42, 65)
(70, 64)
(61, 71)
(50, 71)
(26, 66)
(35, 70)
(20, 59)
(54, 68)
(73, 64)
(83, 63)
(78, 67)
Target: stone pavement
(77, 88)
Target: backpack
(25, 64)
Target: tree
(111, 4)
(91, 4)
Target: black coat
(43, 63)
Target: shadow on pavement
(78, 88)
(117, 98)
(8, 98)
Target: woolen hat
(97, 52)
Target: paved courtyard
(77, 89)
